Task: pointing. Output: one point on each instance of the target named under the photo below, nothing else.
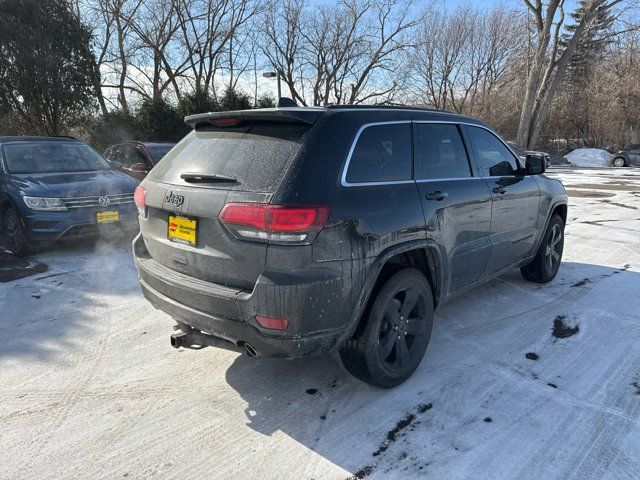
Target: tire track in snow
(521, 318)
(600, 439)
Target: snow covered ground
(90, 388)
(588, 157)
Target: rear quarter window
(382, 153)
(256, 155)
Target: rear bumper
(229, 313)
(238, 332)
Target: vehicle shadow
(475, 368)
(56, 307)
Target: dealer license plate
(108, 217)
(182, 230)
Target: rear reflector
(273, 323)
(262, 221)
(140, 199)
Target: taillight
(274, 223)
(140, 199)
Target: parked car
(522, 153)
(627, 157)
(259, 233)
(54, 187)
(137, 158)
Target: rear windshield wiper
(207, 178)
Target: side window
(138, 157)
(131, 155)
(382, 154)
(491, 153)
(126, 157)
(440, 152)
(115, 153)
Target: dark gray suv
(294, 231)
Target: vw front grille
(80, 202)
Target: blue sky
(570, 5)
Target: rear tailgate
(213, 166)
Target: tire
(14, 237)
(619, 162)
(399, 320)
(544, 266)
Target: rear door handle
(500, 189)
(437, 195)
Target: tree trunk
(543, 26)
(547, 71)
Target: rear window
(256, 155)
(382, 154)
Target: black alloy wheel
(403, 325)
(545, 265)
(14, 236)
(394, 333)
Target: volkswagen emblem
(104, 201)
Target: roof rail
(387, 107)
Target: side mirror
(535, 165)
(139, 167)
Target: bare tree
(508, 68)
(345, 53)
(284, 21)
(98, 17)
(207, 28)
(155, 27)
(459, 58)
(386, 39)
(550, 61)
(116, 53)
(498, 41)
(333, 44)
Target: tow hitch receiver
(193, 339)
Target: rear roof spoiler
(303, 115)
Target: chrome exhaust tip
(250, 350)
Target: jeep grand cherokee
(293, 231)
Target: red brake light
(140, 199)
(248, 214)
(224, 122)
(296, 219)
(274, 222)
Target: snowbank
(588, 157)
